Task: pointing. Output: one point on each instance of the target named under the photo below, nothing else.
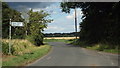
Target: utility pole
(75, 24)
(9, 38)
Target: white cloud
(37, 9)
(69, 17)
(48, 9)
(53, 29)
(53, 6)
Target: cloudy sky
(63, 22)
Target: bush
(103, 47)
(79, 43)
(35, 39)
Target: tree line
(100, 21)
(37, 23)
(72, 34)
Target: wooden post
(75, 24)
(10, 38)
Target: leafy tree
(7, 14)
(100, 21)
(38, 22)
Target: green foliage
(99, 47)
(38, 21)
(7, 14)
(104, 47)
(35, 39)
(37, 24)
(23, 59)
(100, 22)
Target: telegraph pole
(75, 24)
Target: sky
(62, 22)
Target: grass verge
(26, 58)
(98, 47)
(23, 52)
(104, 48)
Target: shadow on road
(70, 45)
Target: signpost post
(24, 15)
(18, 24)
(9, 38)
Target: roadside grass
(104, 48)
(18, 46)
(98, 47)
(27, 57)
(28, 54)
(76, 42)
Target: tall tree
(7, 14)
(100, 21)
(38, 22)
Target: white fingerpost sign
(17, 24)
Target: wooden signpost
(15, 24)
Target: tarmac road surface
(63, 54)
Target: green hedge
(35, 39)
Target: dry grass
(20, 45)
(24, 52)
(21, 60)
(60, 37)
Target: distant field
(60, 37)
